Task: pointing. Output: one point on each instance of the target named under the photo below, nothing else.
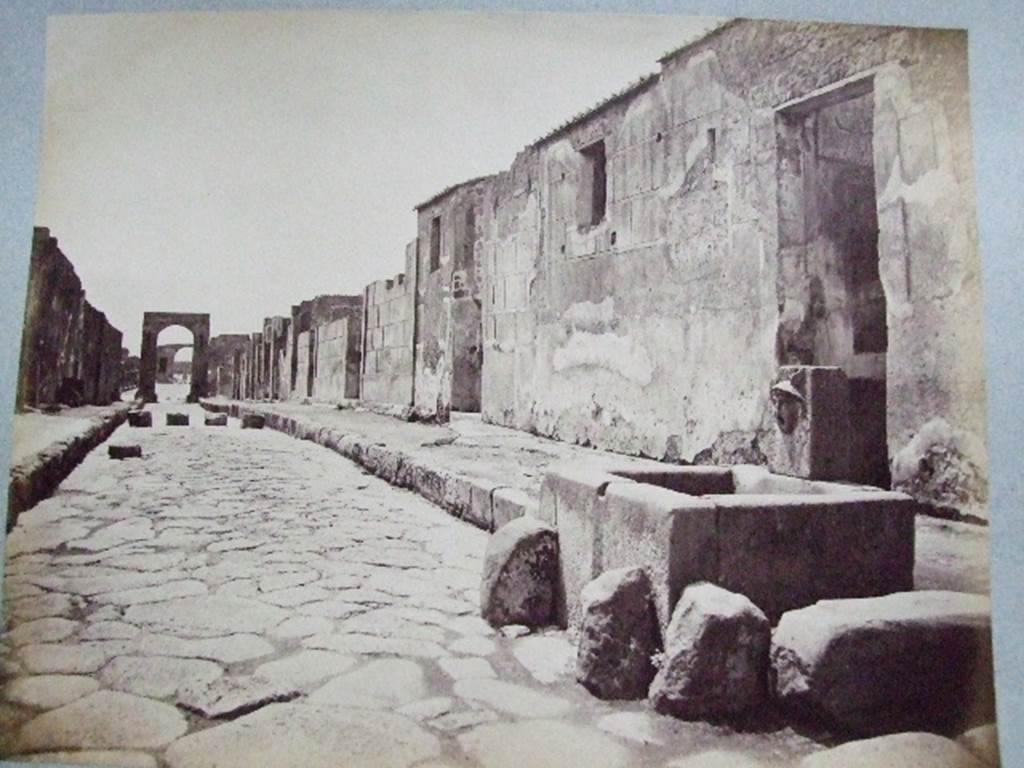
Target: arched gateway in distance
(152, 324)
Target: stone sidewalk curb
(483, 503)
(35, 477)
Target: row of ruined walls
(70, 354)
(636, 278)
(314, 354)
(657, 328)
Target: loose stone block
(619, 635)
(124, 451)
(216, 420)
(140, 419)
(520, 574)
(907, 661)
(716, 656)
(177, 419)
(253, 421)
(907, 750)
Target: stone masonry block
(572, 500)
(140, 419)
(124, 451)
(253, 421)
(903, 662)
(177, 419)
(788, 551)
(670, 535)
(216, 420)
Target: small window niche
(593, 195)
(435, 243)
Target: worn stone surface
(542, 744)
(716, 656)
(519, 574)
(905, 661)
(111, 757)
(511, 698)
(548, 658)
(156, 677)
(230, 696)
(907, 750)
(384, 684)
(276, 734)
(619, 635)
(982, 742)
(49, 691)
(102, 720)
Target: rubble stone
(716, 656)
(618, 636)
(906, 661)
(520, 574)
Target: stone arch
(152, 324)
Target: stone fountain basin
(783, 542)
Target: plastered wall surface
(656, 328)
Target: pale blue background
(997, 73)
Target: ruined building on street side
(70, 353)
(764, 252)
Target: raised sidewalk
(45, 448)
(488, 475)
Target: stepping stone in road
(124, 451)
(253, 421)
(140, 419)
(216, 420)
(177, 419)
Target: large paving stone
(156, 677)
(618, 636)
(716, 656)
(282, 734)
(225, 650)
(899, 750)
(232, 696)
(719, 758)
(305, 667)
(208, 616)
(982, 742)
(520, 574)
(511, 698)
(49, 691)
(107, 757)
(542, 744)
(382, 684)
(48, 630)
(548, 658)
(906, 661)
(55, 658)
(102, 720)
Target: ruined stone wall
(449, 353)
(653, 323)
(336, 370)
(306, 318)
(224, 357)
(70, 353)
(387, 363)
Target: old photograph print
(422, 389)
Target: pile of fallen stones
(894, 671)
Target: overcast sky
(238, 163)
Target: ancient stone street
(238, 597)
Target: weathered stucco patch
(607, 351)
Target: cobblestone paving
(240, 598)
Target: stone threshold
(36, 477)
(478, 501)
